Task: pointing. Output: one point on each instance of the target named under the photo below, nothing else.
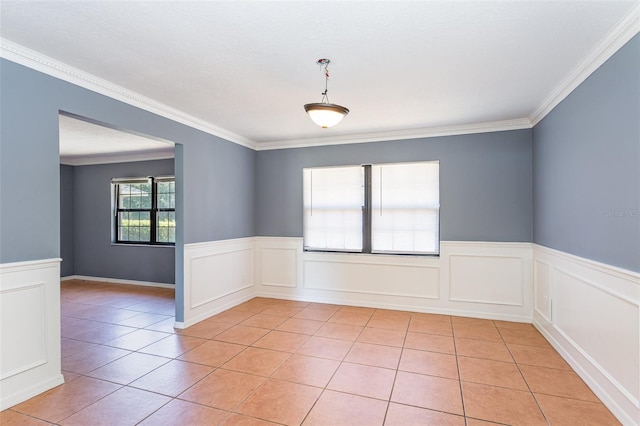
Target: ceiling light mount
(324, 113)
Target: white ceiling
(247, 67)
(83, 143)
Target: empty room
(320, 213)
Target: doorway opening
(105, 235)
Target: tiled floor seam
(455, 353)
(513, 334)
(525, 381)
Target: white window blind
(333, 199)
(405, 204)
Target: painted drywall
(29, 166)
(67, 228)
(217, 175)
(586, 156)
(485, 182)
(95, 254)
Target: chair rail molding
(463, 280)
(590, 313)
(30, 328)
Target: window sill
(355, 253)
(373, 259)
(143, 245)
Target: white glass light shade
(326, 115)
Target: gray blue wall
(67, 227)
(583, 197)
(218, 175)
(587, 166)
(217, 201)
(95, 255)
(485, 182)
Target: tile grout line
(525, 380)
(342, 361)
(455, 353)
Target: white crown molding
(620, 35)
(610, 44)
(431, 132)
(116, 158)
(39, 62)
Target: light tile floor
(271, 361)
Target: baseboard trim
(418, 309)
(31, 391)
(116, 281)
(214, 311)
(569, 284)
(593, 382)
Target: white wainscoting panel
(481, 279)
(488, 279)
(278, 266)
(469, 275)
(594, 323)
(410, 277)
(217, 275)
(30, 329)
(541, 289)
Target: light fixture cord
(325, 97)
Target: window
(333, 200)
(379, 208)
(144, 210)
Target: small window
(379, 208)
(333, 200)
(144, 210)
(405, 208)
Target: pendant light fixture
(325, 114)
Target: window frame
(153, 210)
(311, 208)
(367, 212)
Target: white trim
(425, 285)
(614, 271)
(30, 293)
(607, 47)
(217, 276)
(503, 245)
(31, 391)
(116, 281)
(594, 382)
(544, 315)
(400, 307)
(214, 311)
(383, 293)
(610, 44)
(622, 297)
(117, 158)
(47, 65)
(595, 363)
(28, 265)
(430, 132)
(618, 291)
(218, 243)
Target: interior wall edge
(92, 279)
(29, 297)
(590, 313)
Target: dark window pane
(163, 235)
(166, 195)
(145, 234)
(135, 226)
